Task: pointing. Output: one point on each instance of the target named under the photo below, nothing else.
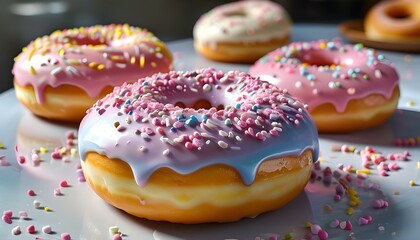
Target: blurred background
(24, 20)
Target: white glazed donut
(242, 31)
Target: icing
(322, 72)
(90, 58)
(139, 124)
(245, 21)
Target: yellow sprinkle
(365, 171)
(321, 159)
(411, 103)
(117, 58)
(73, 151)
(153, 64)
(305, 64)
(349, 211)
(31, 54)
(294, 50)
(142, 60)
(277, 58)
(73, 62)
(32, 70)
(61, 52)
(43, 150)
(352, 148)
(93, 64)
(418, 164)
(132, 60)
(100, 67)
(412, 183)
(63, 150)
(332, 67)
(308, 224)
(47, 209)
(352, 192)
(118, 33)
(44, 51)
(288, 236)
(323, 45)
(1, 145)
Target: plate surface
(80, 212)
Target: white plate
(85, 216)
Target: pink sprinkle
(315, 228)
(334, 223)
(21, 159)
(8, 213)
(31, 192)
(70, 135)
(23, 214)
(322, 235)
(393, 166)
(31, 229)
(65, 236)
(379, 203)
(63, 183)
(117, 237)
(6, 219)
(337, 198)
(56, 155)
(363, 221)
(368, 217)
(57, 192)
(189, 145)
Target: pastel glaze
(323, 71)
(243, 21)
(90, 58)
(139, 124)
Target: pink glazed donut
(347, 87)
(199, 146)
(61, 75)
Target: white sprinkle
(166, 152)
(378, 73)
(206, 87)
(72, 70)
(164, 139)
(235, 148)
(113, 229)
(298, 84)
(144, 135)
(206, 135)
(224, 79)
(16, 230)
(238, 138)
(121, 65)
(36, 203)
(142, 148)
(222, 144)
(193, 90)
(223, 133)
(331, 85)
(56, 71)
(46, 229)
(208, 142)
(231, 135)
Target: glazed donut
(241, 31)
(394, 21)
(347, 87)
(61, 75)
(199, 146)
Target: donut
(60, 76)
(347, 87)
(241, 31)
(394, 21)
(198, 146)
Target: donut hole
(399, 12)
(317, 58)
(199, 104)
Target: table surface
(84, 215)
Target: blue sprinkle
(358, 47)
(145, 83)
(350, 71)
(181, 118)
(130, 112)
(274, 116)
(204, 117)
(255, 107)
(331, 45)
(127, 102)
(173, 129)
(335, 74)
(228, 122)
(303, 71)
(381, 57)
(357, 70)
(310, 77)
(192, 121)
(238, 105)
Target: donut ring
(61, 75)
(242, 31)
(394, 21)
(347, 87)
(249, 149)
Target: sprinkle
(206, 87)
(166, 152)
(36, 203)
(23, 214)
(6, 219)
(378, 73)
(46, 229)
(65, 236)
(113, 229)
(47, 209)
(346, 225)
(412, 183)
(31, 192)
(142, 60)
(63, 183)
(16, 230)
(222, 144)
(31, 229)
(117, 236)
